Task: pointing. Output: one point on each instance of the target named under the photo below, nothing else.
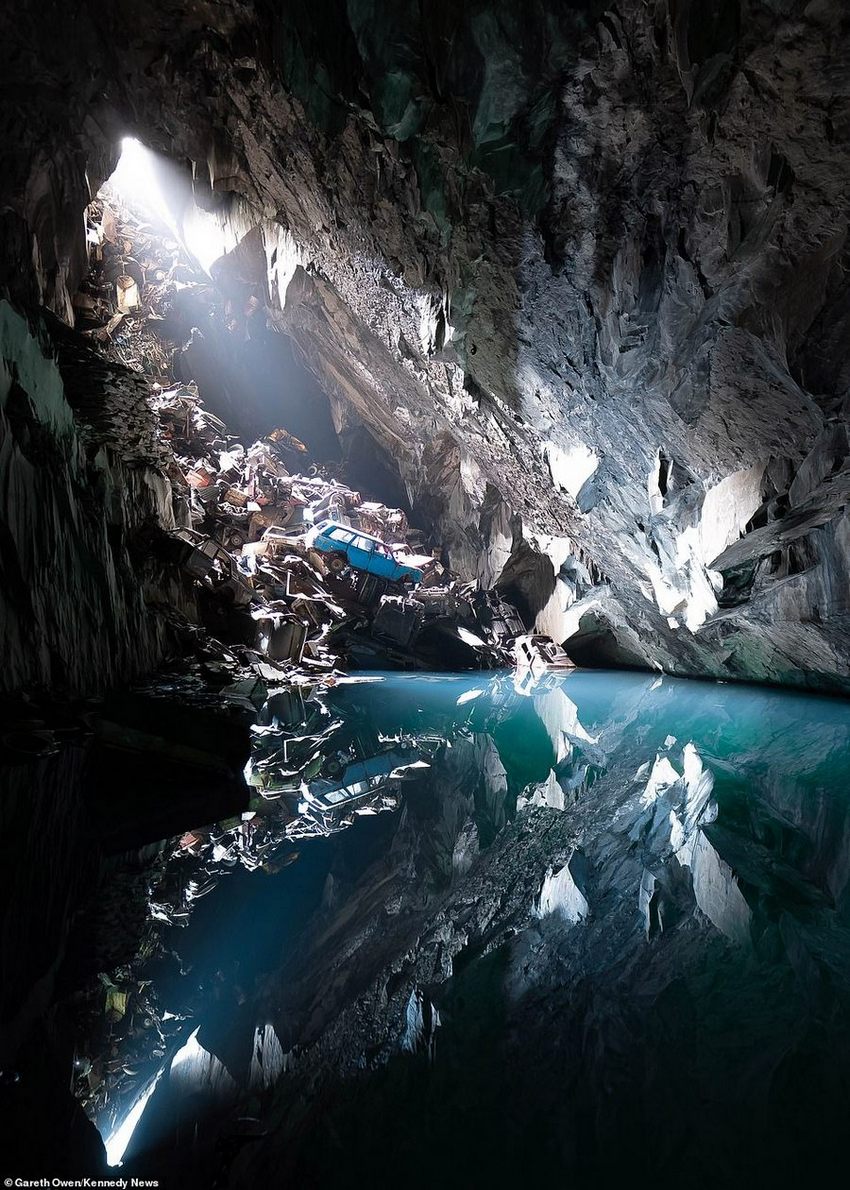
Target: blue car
(359, 778)
(344, 546)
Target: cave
(424, 572)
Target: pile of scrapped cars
(329, 579)
(290, 568)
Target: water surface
(578, 923)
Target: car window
(340, 535)
(363, 543)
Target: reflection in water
(631, 893)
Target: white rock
(717, 893)
(560, 893)
(267, 1059)
(194, 1068)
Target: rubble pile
(269, 598)
(453, 626)
(137, 268)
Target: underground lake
(473, 927)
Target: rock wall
(78, 488)
(580, 272)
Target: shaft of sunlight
(135, 180)
(147, 184)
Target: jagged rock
(194, 1070)
(569, 272)
(268, 1060)
(422, 1020)
(717, 893)
(78, 494)
(561, 893)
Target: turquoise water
(641, 890)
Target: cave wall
(580, 272)
(81, 485)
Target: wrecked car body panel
(361, 551)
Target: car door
(360, 553)
(383, 561)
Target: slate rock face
(83, 482)
(581, 273)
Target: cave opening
(206, 307)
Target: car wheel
(333, 766)
(337, 563)
(235, 540)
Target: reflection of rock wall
(717, 893)
(604, 985)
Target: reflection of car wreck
(322, 774)
(358, 779)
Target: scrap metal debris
(248, 511)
